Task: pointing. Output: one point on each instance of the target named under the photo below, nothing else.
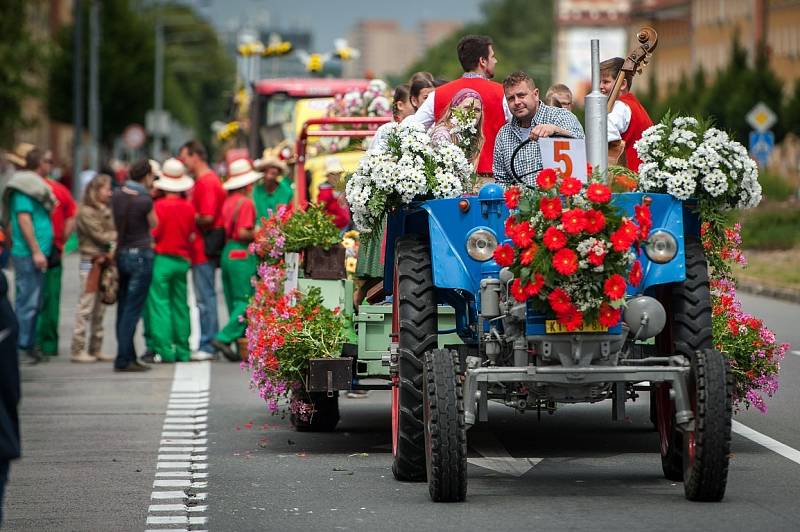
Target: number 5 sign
(567, 155)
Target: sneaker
(151, 358)
(102, 357)
(83, 356)
(201, 356)
(226, 350)
(133, 367)
(29, 357)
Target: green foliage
(771, 228)
(775, 187)
(312, 227)
(21, 58)
(522, 31)
(197, 71)
(790, 117)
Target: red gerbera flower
(571, 318)
(510, 225)
(574, 221)
(554, 239)
(522, 235)
(620, 241)
(635, 275)
(629, 229)
(504, 255)
(527, 256)
(512, 196)
(570, 186)
(645, 220)
(614, 287)
(518, 290)
(535, 287)
(546, 179)
(609, 316)
(565, 262)
(550, 207)
(595, 259)
(589, 169)
(598, 193)
(595, 221)
(559, 300)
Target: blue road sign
(761, 145)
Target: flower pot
(325, 264)
(241, 348)
(330, 374)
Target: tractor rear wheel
(445, 429)
(706, 451)
(688, 331)
(415, 324)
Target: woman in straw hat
(238, 265)
(174, 236)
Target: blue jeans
(29, 287)
(135, 273)
(206, 294)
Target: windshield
(279, 120)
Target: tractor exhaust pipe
(596, 118)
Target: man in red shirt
(628, 118)
(476, 55)
(63, 220)
(174, 237)
(207, 199)
(238, 264)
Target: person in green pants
(238, 264)
(63, 219)
(174, 236)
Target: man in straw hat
(174, 236)
(275, 189)
(27, 203)
(238, 265)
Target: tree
(20, 61)
(522, 31)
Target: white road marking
(796, 353)
(764, 440)
(496, 457)
(183, 438)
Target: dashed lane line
(181, 469)
(765, 441)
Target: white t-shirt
(619, 119)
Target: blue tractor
(512, 355)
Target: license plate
(554, 327)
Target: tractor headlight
(481, 244)
(661, 247)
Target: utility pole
(158, 96)
(94, 85)
(77, 98)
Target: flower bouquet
(410, 168)
(372, 101)
(571, 249)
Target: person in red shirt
(207, 198)
(628, 118)
(63, 220)
(238, 264)
(174, 238)
(334, 201)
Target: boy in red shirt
(238, 264)
(174, 238)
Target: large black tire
(706, 451)
(415, 298)
(688, 331)
(325, 416)
(445, 429)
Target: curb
(751, 286)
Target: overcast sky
(330, 19)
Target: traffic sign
(134, 136)
(761, 145)
(761, 117)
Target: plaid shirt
(528, 161)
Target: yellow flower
(348, 242)
(351, 234)
(350, 264)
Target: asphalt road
(92, 440)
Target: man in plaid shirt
(531, 119)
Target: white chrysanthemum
(680, 185)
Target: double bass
(635, 62)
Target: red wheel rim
(664, 417)
(395, 378)
(690, 448)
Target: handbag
(109, 283)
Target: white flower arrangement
(684, 158)
(410, 167)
